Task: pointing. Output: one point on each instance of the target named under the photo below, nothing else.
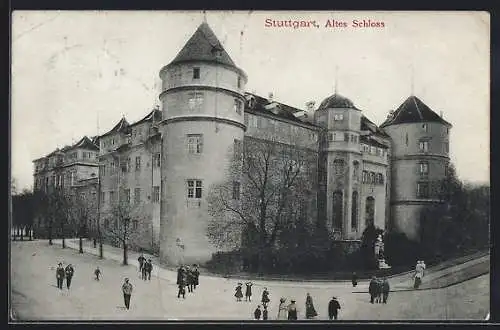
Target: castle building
(167, 162)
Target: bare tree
(269, 185)
(127, 224)
(83, 213)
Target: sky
(76, 73)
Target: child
(97, 273)
(238, 293)
(257, 313)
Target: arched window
(338, 165)
(355, 172)
(380, 178)
(337, 210)
(369, 210)
(354, 213)
(372, 177)
(365, 177)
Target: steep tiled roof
(85, 143)
(155, 115)
(122, 126)
(413, 110)
(203, 46)
(368, 125)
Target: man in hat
(141, 261)
(60, 273)
(372, 289)
(127, 292)
(385, 290)
(69, 272)
(181, 282)
(333, 308)
(149, 268)
(292, 311)
(196, 276)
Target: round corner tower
(419, 160)
(203, 102)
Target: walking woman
(310, 311)
(238, 293)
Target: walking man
(69, 272)
(127, 292)
(149, 268)
(196, 275)
(141, 261)
(265, 297)
(181, 282)
(248, 291)
(372, 289)
(60, 275)
(385, 290)
(333, 308)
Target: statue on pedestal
(379, 253)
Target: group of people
(187, 277)
(285, 312)
(378, 290)
(419, 273)
(64, 273)
(145, 267)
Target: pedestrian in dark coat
(181, 282)
(310, 310)
(385, 290)
(354, 279)
(189, 279)
(196, 276)
(264, 314)
(265, 297)
(127, 292)
(238, 294)
(141, 261)
(148, 265)
(378, 294)
(257, 313)
(144, 272)
(292, 311)
(248, 291)
(372, 289)
(60, 273)
(69, 272)
(333, 308)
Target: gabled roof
(204, 46)
(122, 126)
(368, 125)
(85, 143)
(413, 110)
(155, 115)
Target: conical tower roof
(204, 46)
(413, 110)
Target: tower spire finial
(204, 16)
(336, 79)
(412, 82)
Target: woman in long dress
(282, 310)
(238, 293)
(310, 311)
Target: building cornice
(417, 202)
(200, 88)
(419, 156)
(204, 118)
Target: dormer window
(425, 128)
(424, 146)
(196, 73)
(251, 103)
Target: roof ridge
(417, 107)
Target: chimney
(271, 97)
(441, 114)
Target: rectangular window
(135, 224)
(239, 82)
(425, 127)
(112, 196)
(195, 143)
(103, 170)
(138, 163)
(346, 137)
(423, 190)
(194, 188)
(195, 100)
(365, 177)
(447, 146)
(424, 146)
(338, 117)
(236, 190)
(103, 197)
(424, 168)
(137, 195)
(238, 105)
(126, 196)
(156, 194)
(157, 159)
(196, 73)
